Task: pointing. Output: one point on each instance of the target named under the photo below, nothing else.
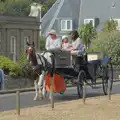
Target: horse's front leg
(41, 84)
(44, 92)
(36, 90)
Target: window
(66, 25)
(13, 44)
(13, 47)
(118, 23)
(87, 21)
(26, 39)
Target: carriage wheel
(107, 76)
(81, 79)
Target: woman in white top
(52, 42)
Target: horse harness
(45, 65)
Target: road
(8, 101)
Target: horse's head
(31, 56)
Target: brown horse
(41, 63)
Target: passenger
(65, 44)
(77, 46)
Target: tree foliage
(22, 7)
(109, 44)
(46, 5)
(87, 32)
(110, 25)
(15, 7)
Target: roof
(61, 9)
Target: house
(15, 32)
(99, 12)
(63, 16)
(67, 15)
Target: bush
(9, 67)
(109, 44)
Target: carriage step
(68, 76)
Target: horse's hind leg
(36, 90)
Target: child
(65, 44)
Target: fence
(52, 96)
(25, 83)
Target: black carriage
(86, 67)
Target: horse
(41, 63)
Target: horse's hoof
(36, 98)
(41, 98)
(41, 95)
(49, 97)
(44, 95)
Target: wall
(16, 83)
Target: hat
(65, 36)
(52, 31)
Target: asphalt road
(8, 101)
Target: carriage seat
(62, 59)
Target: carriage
(89, 68)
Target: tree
(3, 6)
(87, 32)
(15, 7)
(19, 8)
(46, 6)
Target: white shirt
(76, 43)
(52, 44)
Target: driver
(52, 42)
